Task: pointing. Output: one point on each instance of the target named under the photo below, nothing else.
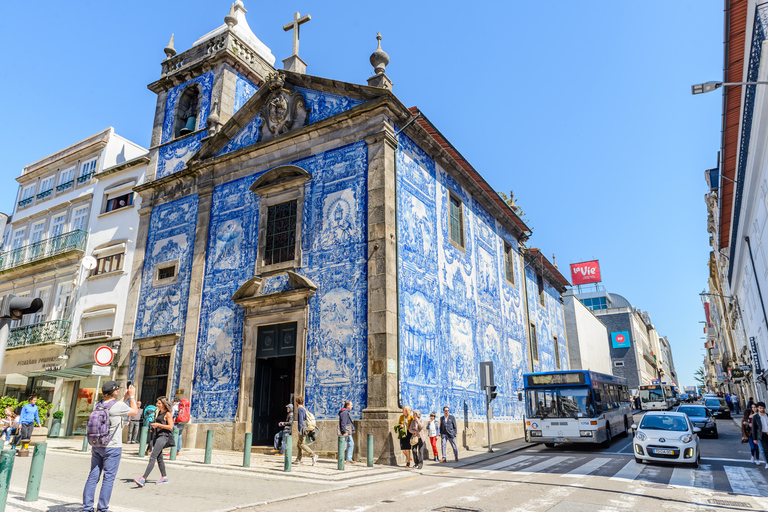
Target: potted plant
(56, 424)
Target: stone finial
(230, 19)
(554, 263)
(169, 50)
(379, 58)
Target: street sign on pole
(101, 371)
(103, 355)
(487, 385)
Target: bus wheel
(549, 445)
(607, 434)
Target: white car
(666, 437)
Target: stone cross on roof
(298, 19)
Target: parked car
(666, 437)
(702, 418)
(683, 397)
(718, 406)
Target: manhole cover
(456, 509)
(728, 503)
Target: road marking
(704, 478)
(629, 472)
(739, 480)
(542, 465)
(682, 477)
(757, 478)
(745, 461)
(587, 468)
(438, 487)
(502, 464)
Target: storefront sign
(32, 359)
(745, 368)
(737, 374)
(755, 356)
(585, 272)
(620, 339)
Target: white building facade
(588, 342)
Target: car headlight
(640, 436)
(686, 438)
(710, 423)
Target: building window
(111, 263)
(595, 303)
(542, 293)
(534, 344)
(43, 294)
(27, 196)
(457, 220)
(37, 232)
(618, 364)
(185, 119)
(66, 180)
(166, 273)
(557, 353)
(117, 202)
(80, 219)
(509, 263)
(87, 170)
(97, 324)
(63, 301)
(280, 243)
(18, 238)
(57, 224)
(46, 187)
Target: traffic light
(14, 307)
(491, 393)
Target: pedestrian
(163, 436)
(404, 435)
(433, 428)
(149, 418)
(28, 418)
(750, 403)
(728, 401)
(284, 431)
(448, 431)
(347, 428)
(7, 423)
(760, 430)
(735, 402)
(181, 418)
(302, 417)
(418, 438)
(746, 436)
(134, 425)
(106, 459)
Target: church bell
(189, 127)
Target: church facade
(301, 236)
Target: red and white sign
(585, 272)
(103, 355)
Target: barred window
(534, 344)
(509, 263)
(281, 233)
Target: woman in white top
(434, 432)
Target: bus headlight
(585, 433)
(535, 433)
(640, 436)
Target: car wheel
(715, 435)
(549, 445)
(696, 464)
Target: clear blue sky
(582, 108)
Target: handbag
(415, 439)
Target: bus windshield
(652, 395)
(560, 403)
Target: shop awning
(66, 373)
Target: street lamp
(712, 86)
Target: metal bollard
(36, 472)
(342, 446)
(143, 440)
(370, 450)
(85, 443)
(208, 446)
(174, 448)
(247, 450)
(6, 468)
(288, 453)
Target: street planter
(55, 427)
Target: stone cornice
(134, 162)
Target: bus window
(560, 403)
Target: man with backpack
(105, 435)
(307, 424)
(180, 417)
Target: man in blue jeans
(347, 428)
(107, 458)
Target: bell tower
(201, 88)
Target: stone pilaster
(382, 412)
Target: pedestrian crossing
(719, 476)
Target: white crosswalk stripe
(587, 468)
(628, 472)
(542, 465)
(503, 464)
(683, 477)
(739, 480)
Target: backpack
(98, 430)
(309, 421)
(149, 414)
(183, 415)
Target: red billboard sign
(585, 272)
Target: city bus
(656, 397)
(575, 407)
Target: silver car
(666, 437)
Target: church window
(457, 220)
(281, 233)
(557, 353)
(540, 286)
(534, 344)
(165, 273)
(509, 263)
(187, 112)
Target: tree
(699, 375)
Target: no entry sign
(103, 355)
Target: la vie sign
(585, 272)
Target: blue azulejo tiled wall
(244, 89)
(549, 323)
(163, 309)
(173, 157)
(456, 307)
(205, 82)
(333, 243)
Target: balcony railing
(98, 334)
(65, 186)
(44, 332)
(26, 202)
(45, 193)
(85, 177)
(74, 240)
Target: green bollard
(370, 450)
(208, 447)
(6, 468)
(36, 472)
(143, 440)
(175, 443)
(288, 453)
(342, 446)
(85, 443)
(247, 450)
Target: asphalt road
(577, 478)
